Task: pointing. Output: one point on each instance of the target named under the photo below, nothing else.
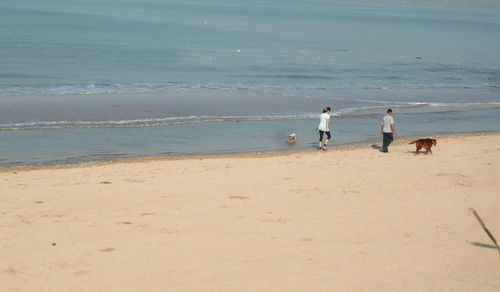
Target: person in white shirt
(388, 130)
(324, 128)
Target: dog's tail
(413, 142)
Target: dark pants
(321, 133)
(388, 138)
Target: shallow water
(74, 145)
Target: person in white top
(388, 130)
(324, 128)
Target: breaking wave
(408, 107)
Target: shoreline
(262, 154)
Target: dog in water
(424, 143)
(292, 138)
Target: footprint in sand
(124, 222)
(350, 192)
(463, 184)
(239, 198)
(53, 215)
(275, 220)
(450, 174)
(39, 202)
(319, 191)
(142, 226)
(168, 231)
(9, 271)
(147, 214)
(80, 273)
(66, 264)
(107, 249)
(105, 182)
(133, 180)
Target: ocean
(93, 80)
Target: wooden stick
(486, 229)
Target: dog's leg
(418, 149)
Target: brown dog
(424, 143)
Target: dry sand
(344, 220)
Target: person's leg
(385, 142)
(320, 138)
(390, 139)
(328, 138)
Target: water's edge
(242, 154)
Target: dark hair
(324, 110)
(389, 111)
(328, 108)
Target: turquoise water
(86, 80)
(56, 47)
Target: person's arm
(393, 129)
(382, 128)
(328, 124)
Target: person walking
(324, 128)
(388, 130)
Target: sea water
(101, 80)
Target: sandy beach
(344, 220)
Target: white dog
(292, 138)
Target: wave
(149, 88)
(407, 107)
(147, 122)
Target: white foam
(168, 121)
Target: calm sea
(101, 80)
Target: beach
(143, 145)
(349, 219)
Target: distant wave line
(149, 88)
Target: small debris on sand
(239, 197)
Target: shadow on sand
(376, 147)
(485, 245)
